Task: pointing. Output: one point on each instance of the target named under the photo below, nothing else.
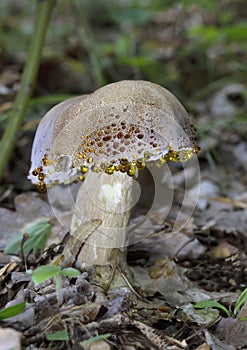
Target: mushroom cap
(113, 128)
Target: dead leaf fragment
(99, 345)
(223, 250)
(6, 269)
(232, 331)
(204, 346)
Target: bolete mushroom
(104, 139)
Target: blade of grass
(204, 304)
(12, 311)
(17, 114)
(59, 335)
(240, 301)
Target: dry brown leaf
(223, 250)
(6, 269)
(99, 345)
(204, 346)
(232, 331)
(216, 344)
(222, 217)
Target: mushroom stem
(107, 198)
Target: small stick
(22, 255)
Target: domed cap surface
(118, 127)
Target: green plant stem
(17, 114)
(85, 33)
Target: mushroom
(104, 139)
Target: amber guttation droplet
(140, 136)
(90, 160)
(82, 177)
(34, 172)
(197, 149)
(124, 161)
(140, 164)
(124, 165)
(41, 186)
(119, 135)
(101, 132)
(41, 176)
(45, 160)
(39, 169)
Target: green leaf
(211, 303)
(94, 339)
(240, 301)
(12, 310)
(70, 272)
(36, 241)
(131, 16)
(43, 273)
(243, 319)
(60, 335)
(49, 99)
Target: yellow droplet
(185, 155)
(84, 169)
(140, 164)
(110, 169)
(132, 170)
